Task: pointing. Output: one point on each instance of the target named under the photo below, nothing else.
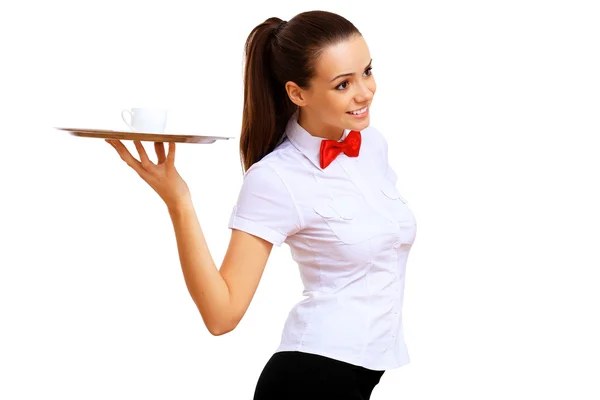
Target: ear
(296, 94)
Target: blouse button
(397, 244)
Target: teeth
(359, 111)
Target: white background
(490, 110)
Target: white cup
(151, 120)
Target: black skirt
(290, 375)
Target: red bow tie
(330, 149)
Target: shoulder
(274, 163)
(375, 138)
(266, 174)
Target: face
(343, 83)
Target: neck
(318, 129)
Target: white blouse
(349, 230)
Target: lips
(363, 109)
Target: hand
(162, 177)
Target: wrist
(180, 205)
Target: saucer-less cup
(150, 120)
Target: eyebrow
(350, 73)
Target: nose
(364, 93)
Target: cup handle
(130, 118)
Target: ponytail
(267, 106)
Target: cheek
(335, 103)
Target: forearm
(202, 277)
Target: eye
(338, 87)
(368, 70)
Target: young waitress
(316, 178)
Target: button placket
(396, 323)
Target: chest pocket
(350, 221)
(396, 204)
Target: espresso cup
(151, 120)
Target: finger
(160, 151)
(112, 143)
(171, 156)
(128, 158)
(146, 163)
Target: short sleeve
(264, 206)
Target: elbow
(223, 321)
(222, 328)
(219, 330)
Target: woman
(317, 178)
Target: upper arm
(264, 214)
(242, 268)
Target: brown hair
(275, 55)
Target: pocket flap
(343, 207)
(390, 191)
(346, 208)
(324, 210)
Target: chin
(362, 124)
(357, 125)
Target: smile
(358, 112)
